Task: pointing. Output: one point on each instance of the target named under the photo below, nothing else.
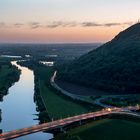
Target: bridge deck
(53, 124)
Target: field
(58, 106)
(107, 129)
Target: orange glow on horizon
(72, 34)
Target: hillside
(114, 67)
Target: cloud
(56, 24)
(111, 24)
(94, 24)
(90, 24)
(18, 25)
(35, 25)
(2, 24)
(85, 24)
(117, 24)
(128, 23)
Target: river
(18, 107)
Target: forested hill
(114, 67)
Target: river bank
(9, 74)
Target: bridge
(66, 121)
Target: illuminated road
(63, 122)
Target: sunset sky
(65, 21)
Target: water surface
(18, 107)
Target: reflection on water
(18, 107)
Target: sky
(65, 21)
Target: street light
(109, 109)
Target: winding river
(18, 107)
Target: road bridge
(64, 122)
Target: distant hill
(114, 67)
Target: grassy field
(107, 129)
(58, 106)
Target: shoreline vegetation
(9, 74)
(51, 103)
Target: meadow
(107, 129)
